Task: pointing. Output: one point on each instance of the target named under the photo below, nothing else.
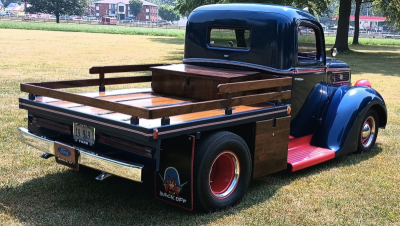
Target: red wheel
(368, 131)
(222, 171)
(224, 174)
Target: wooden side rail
(254, 85)
(122, 68)
(118, 69)
(98, 103)
(92, 82)
(49, 89)
(157, 112)
(160, 112)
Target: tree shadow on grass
(371, 59)
(173, 41)
(175, 55)
(75, 198)
(283, 178)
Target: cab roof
(288, 11)
(272, 44)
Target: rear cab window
(233, 38)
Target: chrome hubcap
(368, 132)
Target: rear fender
(339, 128)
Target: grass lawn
(367, 41)
(351, 190)
(106, 29)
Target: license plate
(66, 155)
(84, 134)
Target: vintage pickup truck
(255, 94)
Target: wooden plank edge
(122, 68)
(92, 82)
(253, 85)
(160, 112)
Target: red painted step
(302, 155)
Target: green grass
(367, 41)
(358, 189)
(106, 29)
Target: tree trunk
(342, 35)
(357, 22)
(57, 18)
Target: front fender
(339, 128)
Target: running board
(302, 155)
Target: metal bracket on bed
(135, 120)
(165, 121)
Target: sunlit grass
(107, 29)
(360, 189)
(368, 41)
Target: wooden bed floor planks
(107, 95)
(156, 101)
(151, 123)
(112, 95)
(145, 98)
(113, 98)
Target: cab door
(308, 79)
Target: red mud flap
(302, 155)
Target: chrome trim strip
(237, 63)
(86, 158)
(290, 71)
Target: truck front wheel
(222, 171)
(368, 131)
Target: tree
(186, 6)
(391, 10)
(57, 7)
(167, 12)
(7, 2)
(357, 13)
(136, 7)
(163, 2)
(342, 35)
(316, 7)
(357, 22)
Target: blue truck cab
(283, 40)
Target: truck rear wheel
(368, 131)
(222, 171)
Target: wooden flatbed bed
(181, 96)
(145, 98)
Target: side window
(307, 44)
(230, 37)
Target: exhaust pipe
(103, 176)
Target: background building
(121, 10)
